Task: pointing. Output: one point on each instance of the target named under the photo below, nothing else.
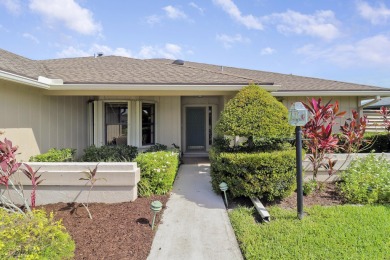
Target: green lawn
(337, 232)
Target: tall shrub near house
(254, 112)
(250, 170)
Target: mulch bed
(117, 231)
(123, 230)
(327, 196)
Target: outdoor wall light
(155, 207)
(224, 187)
(298, 116)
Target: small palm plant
(35, 181)
(90, 178)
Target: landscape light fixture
(155, 207)
(298, 116)
(224, 187)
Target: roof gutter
(155, 87)
(377, 98)
(343, 93)
(23, 80)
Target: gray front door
(196, 128)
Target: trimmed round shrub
(34, 236)
(254, 112)
(367, 180)
(265, 175)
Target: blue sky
(346, 40)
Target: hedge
(35, 236)
(158, 172)
(55, 155)
(110, 153)
(380, 142)
(266, 175)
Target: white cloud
(372, 51)
(69, 12)
(169, 51)
(13, 6)
(30, 37)
(376, 15)
(229, 40)
(173, 48)
(231, 8)
(322, 24)
(267, 51)
(153, 19)
(201, 10)
(72, 51)
(174, 13)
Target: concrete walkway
(195, 224)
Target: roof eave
(23, 80)
(157, 87)
(332, 93)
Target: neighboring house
(78, 102)
(372, 111)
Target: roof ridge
(284, 74)
(258, 81)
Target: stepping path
(195, 224)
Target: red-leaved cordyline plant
(352, 133)
(385, 113)
(8, 166)
(318, 133)
(32, 175)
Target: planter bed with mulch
(117, 231)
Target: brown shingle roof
(122, 70)
(19, 65)
(286, 81)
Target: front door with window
(196, 128)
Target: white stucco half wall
(61, 183)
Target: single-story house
(78, 102)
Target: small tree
(254, 112)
